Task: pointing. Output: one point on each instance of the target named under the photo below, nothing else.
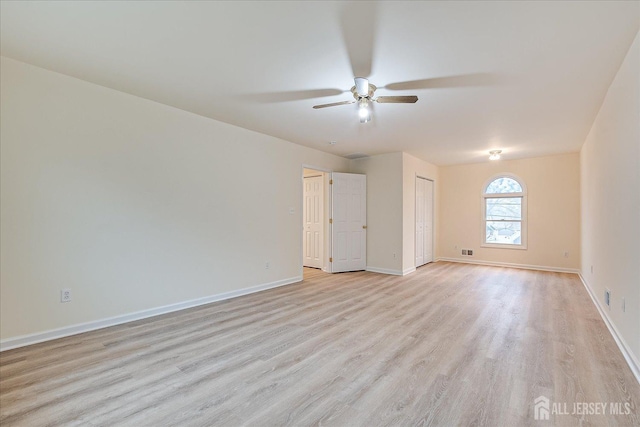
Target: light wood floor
(451, 344)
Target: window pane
(504, 232)
(504, 208)
(504, 185)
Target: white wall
(610, 188)
(384, 210)
(412, 167)
(134, 205)
(553, 184)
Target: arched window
(504, 212)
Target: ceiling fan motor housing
(362, 86)
(357, 95)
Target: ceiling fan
(363, 93)
(358, 23)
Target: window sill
(502, 246)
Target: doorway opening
(334, 227)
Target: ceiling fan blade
(334, 104)
(462, 80)
(358, 21)
(294, 95)
(409, 99)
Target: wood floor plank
(452, 344)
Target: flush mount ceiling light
(494, 154)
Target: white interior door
(313, 209)
(420, 219)
(349, 222)
(424, 221)
(428, 222)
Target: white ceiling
(533, 73)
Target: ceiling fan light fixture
(494, 154)
(364, 112)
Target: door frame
(326, 265)
(433, 218)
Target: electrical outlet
(470, 252)
(267, 265)
(566, 254)
(65, 295)
(607, 298)
(464, 252)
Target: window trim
(523, 222)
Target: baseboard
(24, 340)
(512, 265)
(386, 271)
(408, 271)
(632, 361)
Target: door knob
(364, 226)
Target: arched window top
(504, 184)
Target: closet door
(420, 189)
(428, 221)
(424, 221)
